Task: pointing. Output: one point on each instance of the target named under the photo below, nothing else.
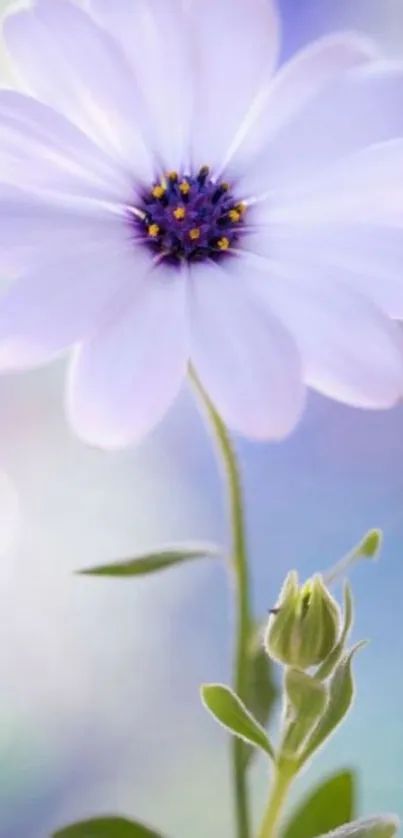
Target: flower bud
(305, 624)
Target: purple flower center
(189, 218)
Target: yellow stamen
(184, 187)
(194, 233)
(234, 215)
(172, 176)
(179, 213)
(223, 244)
(153, 230)
(204, 171)
(224, 186)
(158, 191)
(241, 208)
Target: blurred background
(99, 707)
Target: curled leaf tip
(371, 544)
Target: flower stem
(239, 566)
(277, 798)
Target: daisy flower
(170, 194)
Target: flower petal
(156, 45)
(72, 64)
(236, 51)
(32, 229)
(361, 107)
(244, 357)
(367, 258)
(41, 150)
(124, 379)
(351, 351)
(363, 188)
(296, 83)
(59, 302)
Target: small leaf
(263, 692)
(371, 544)
(368, 548)
(331, 804)
(341, 693)
(153, 562)
(230, 712)
(381, 826)
(334, 656)
(107, 827)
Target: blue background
(99, 707)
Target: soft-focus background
(99, 707)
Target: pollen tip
(234, 215)
(158, 191)
(173, 176)
(223, 243)
(179, 213)
(153, 230)
(184, 187)
(241, 208)
(194, 233)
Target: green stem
(277, 798)
(242, 598)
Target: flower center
(189, 218)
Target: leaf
(331, 804)
(380, 826)
(368, 548)
(341, 693)
(263, 692)
(108, 827)
(230, 712)
(334, 656)
(153, 562)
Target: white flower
(278, 266)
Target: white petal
(236, 45)
(73, 65)
(244, 357)
(157, 47)
(41, 150)
(10, 515)
(366, 258)
(124, 379)
(351, 351)
(361, 107)
(57, 304)
(364, 188)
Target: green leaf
(381, 826)
(153, 562)
(262, 691)
(341, 693)
(334, 656)
(108, 827)
(331, 804)
(230, 712)
(368, 548)
(371, 544)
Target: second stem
(242, 600)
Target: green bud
(305, 624)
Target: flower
(167, 196)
